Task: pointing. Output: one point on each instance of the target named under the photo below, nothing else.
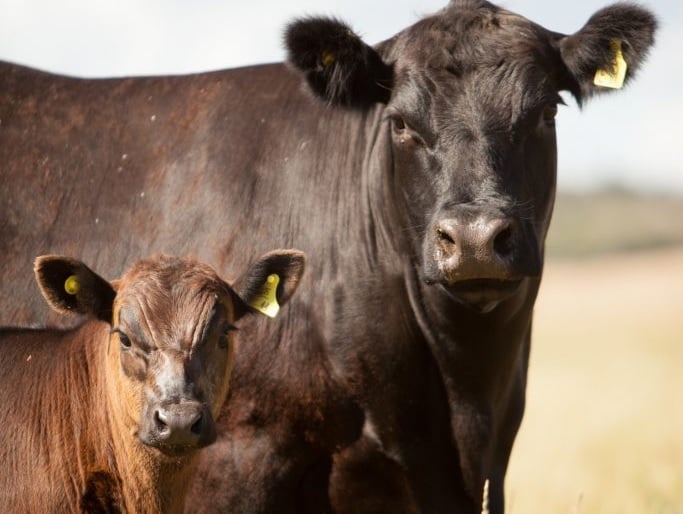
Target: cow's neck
(478, 357)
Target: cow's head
(469, 98)
(170, 347)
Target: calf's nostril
(160, 421)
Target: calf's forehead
(169, 301)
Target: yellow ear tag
(328, 59)
(613, 77)
(71, 285)
(266, 300)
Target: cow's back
(115, 169)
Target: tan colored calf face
(170, 348)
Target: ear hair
(592, 47)
(288, 265)
(337, 65)
(70, 287)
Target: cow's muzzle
(483, 260)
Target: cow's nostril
(196, 427)
(502, 244)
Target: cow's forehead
(169, 302)
(461, 39)
(479, 66)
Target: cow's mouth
(174, 450)
(482, 295)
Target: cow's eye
(398, 124)
(549, 113)
(402, 132)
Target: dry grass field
(603, 429)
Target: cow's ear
(338, 66)
(269, 282)
(608, 50)
(70, 287)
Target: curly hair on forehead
(468, 34)
(164, 277)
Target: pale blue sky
(632, 137)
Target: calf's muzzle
(178, 427)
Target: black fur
(288, 265)
(589, 49)
(338, 66)
(434, 362)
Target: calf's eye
(224, 339)
(123, 338)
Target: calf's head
(170, 347)
(468, 99)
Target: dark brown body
(395, 383)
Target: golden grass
(603, 429)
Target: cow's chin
(480, 295)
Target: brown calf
(106, 416)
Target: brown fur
(60, 427)
(74, 400)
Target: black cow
(420, 183)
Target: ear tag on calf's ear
(612, 77)
(266, 300)
(71, 285)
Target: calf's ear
(606, 53)
(337, 65)
(269, 282)
(70, 287)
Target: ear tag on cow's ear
(614, 76)
(328, 59)
(72, 285)
(266, 300)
